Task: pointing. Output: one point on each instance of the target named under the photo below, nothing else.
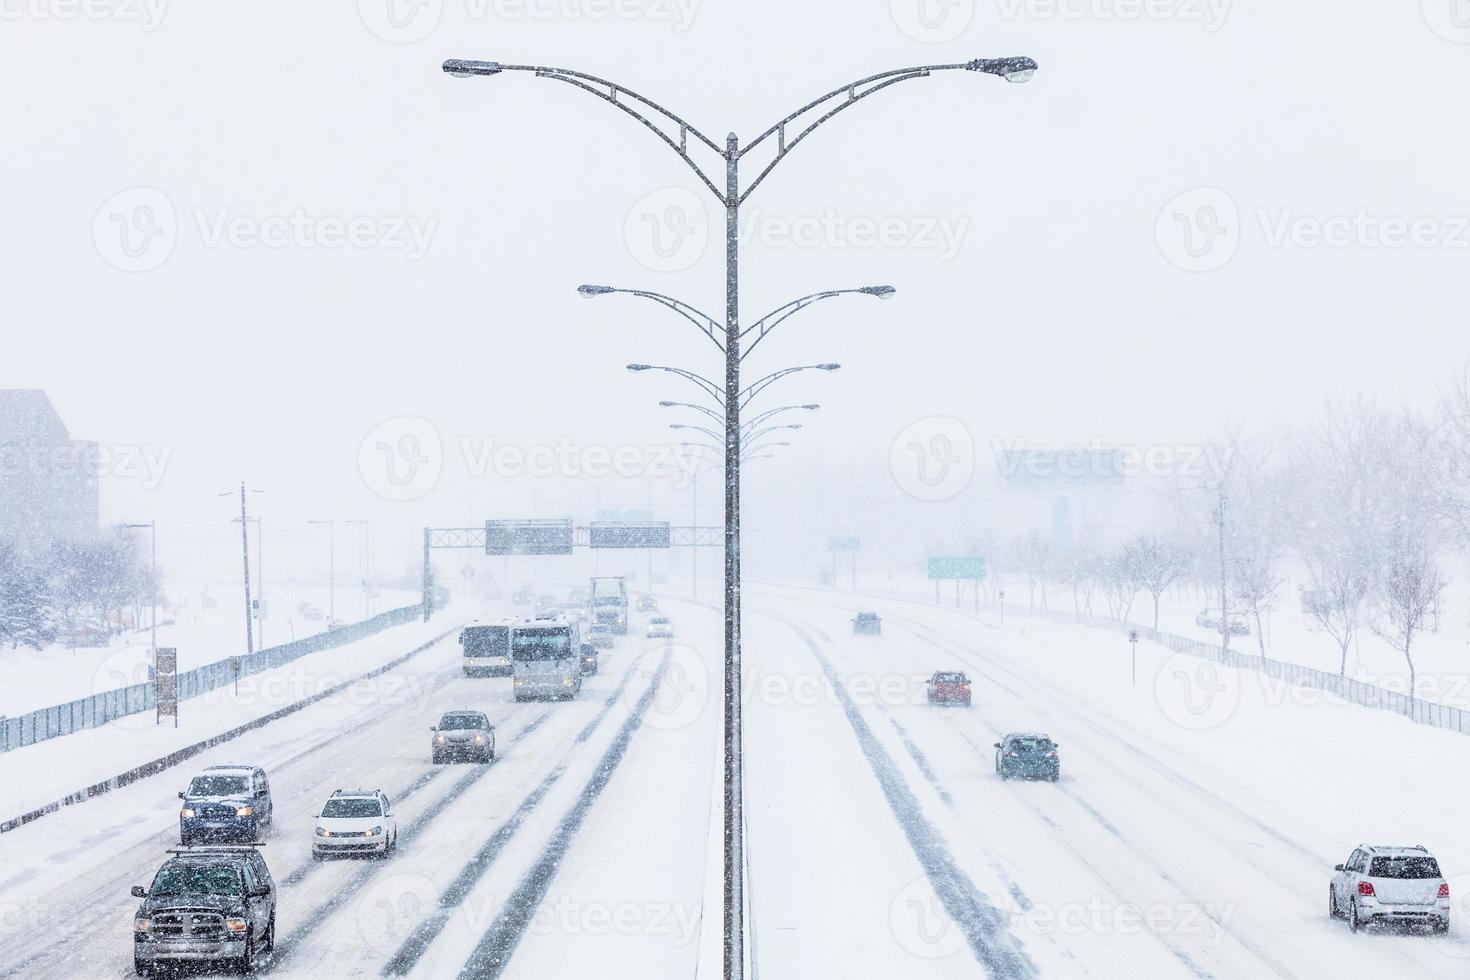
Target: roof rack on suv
(217, 848)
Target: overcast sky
(1199, 215)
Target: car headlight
(186, 812)
(323, 832)
(438, 739)
(479, 739)
(519, 681)
(142, 924)
(375, 831)
(236, 924)
(244, 811)
(567, 682)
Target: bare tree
(1155, 564)
(1409, 585)
(1119, 580)
(1255, 560)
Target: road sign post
(1133, 640)
(165, 673)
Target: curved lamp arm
(718, 417)
(772, 412)
(710, 388)
(756, 387)
(772, 319)
(655, 117)
(705, 323)
(835, 101)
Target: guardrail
(1367, 695)
(107, 706)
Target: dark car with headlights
(1028, 755)
(589, 660)
(463, 735)
(226, 803)
(207, 905)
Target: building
(48, 480)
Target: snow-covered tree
(1155, 563)
(1408, 586)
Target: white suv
(1390, 884)
(355, 821)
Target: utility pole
(245, 560)
(1224, 577)
(331, 526)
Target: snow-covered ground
(1192, 834)
(1441, 656)
(202, 634)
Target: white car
(659, 627)
(601, 636)
(1390, 884)
(355, 821)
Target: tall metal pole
(1224, 580)
(734, 774)
(245, 557)
(428, 599)
(153, 560)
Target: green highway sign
(970, 569)
(844, 544)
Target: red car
(949, 687)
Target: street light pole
(152, 527)
(681, 137)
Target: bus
(487, 649)
(610, 603)
(547, 658)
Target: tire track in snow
(982, 924)
(499, 942)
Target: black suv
(206, 905)
(1030, 755)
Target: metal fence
(99, 709)
(1417, 710)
